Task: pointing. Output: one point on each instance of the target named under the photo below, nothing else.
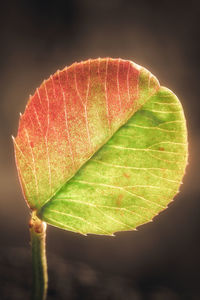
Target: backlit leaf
(101, 147)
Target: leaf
(101, 147)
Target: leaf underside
(101, 147)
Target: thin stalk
(39, 261)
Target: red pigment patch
(126, 175)
(59, 128)
(119, 200)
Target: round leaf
(101, 147)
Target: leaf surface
(101, 147)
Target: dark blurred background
(160, 261)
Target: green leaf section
(131, 178)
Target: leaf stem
(39, 261)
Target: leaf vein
(33, 160)
(146, 150)
(150, 127)
(116, 187)
(78, 218)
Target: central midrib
(99, 148)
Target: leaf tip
(82, 233)
(112, 234)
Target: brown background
(161, 260)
